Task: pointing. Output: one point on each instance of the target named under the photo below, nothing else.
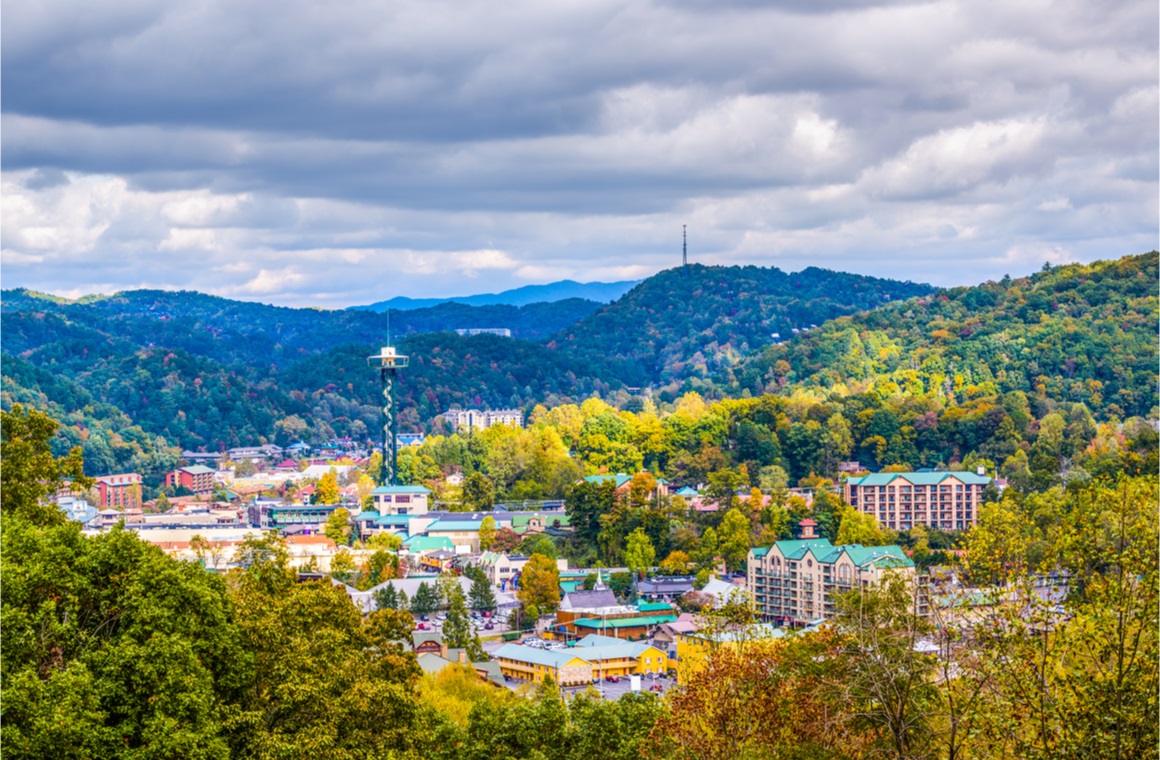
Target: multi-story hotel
(901, 500)
(793, 581)
(119, 491)
(467, 420)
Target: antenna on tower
(684, 245)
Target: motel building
(593, 658)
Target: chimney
(462, 656)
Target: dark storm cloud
(288, 150)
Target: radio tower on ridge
(684, 245)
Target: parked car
(424, 627)
(613, 679)
(487, 613)
(424, 618)
(489, 626)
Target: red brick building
(197, 479)
(119, 491)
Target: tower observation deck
(389, 362)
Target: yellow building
(593, 658)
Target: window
(402, 499)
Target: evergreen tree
(426, 599)
(482, 594)
(387, 598)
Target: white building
(477, 419)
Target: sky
(331, 154)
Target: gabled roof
(588, 600)
(797, 549)
(521, 653)
(918, 478)
(422, 637)
(686, 491)
(596, 640)
(644, 606)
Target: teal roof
(401, 489)
(632, 622)
(618, 479)
(885, 556)
(797, 549)
(197, 469)
(919, 478)
(686, 491)
(759, 551)
(596, 640)
(570, 586)
(367, 514)
(644, 606)
(428, 543)
(454, 525)
(394, 519)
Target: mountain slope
(1077, 333)
(601, 292)
(237, 332)
(696, 321)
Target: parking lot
(433, 623)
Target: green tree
(859, 528)
(540, 584)
(387, 598)
(338, 527)
(426, 599)
(342, 565)
(487, 530)
(478, 493)
(482, 593)
(734, 539)
(31, 474)
(639, 554)
(457, 631)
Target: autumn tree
(326, 490)
(540, 584)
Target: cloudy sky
(308, 153)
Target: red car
(613, 679)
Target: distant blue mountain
(601, 292)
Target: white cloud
(360, 151)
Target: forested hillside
(237, 332)
(925, 381)
(698, 320)
(1077, 333)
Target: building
(901, 500)
(463, 533)
(120, 491)
(202, 457)
(401, 500)
(592, 659)
(500, 568)
(503, 332)
(793, 581)
(624, 483)
(598, 611)
(475, 419)
(662, 587)
(272, 514)
(197, 478)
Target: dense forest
(920, 382)
(698, 320)
(1079, 333)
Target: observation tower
(388, 363)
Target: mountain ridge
(601, 292)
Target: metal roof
(919, 478)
